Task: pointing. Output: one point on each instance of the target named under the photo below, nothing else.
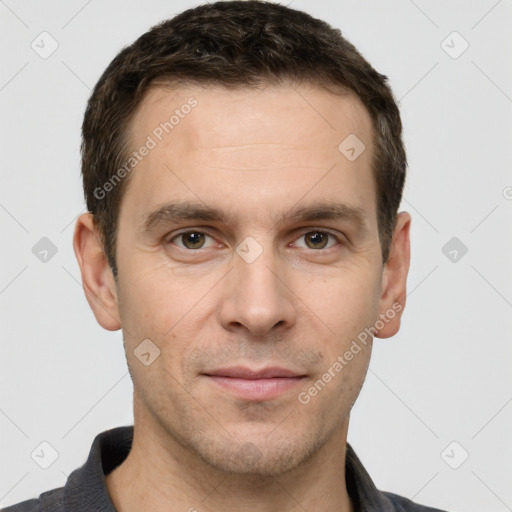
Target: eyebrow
(186, 210)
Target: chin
(258, 458)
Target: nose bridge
(257, 298)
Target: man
(242, 167)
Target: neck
(159, 474)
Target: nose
(257, 296)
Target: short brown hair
(234, 44)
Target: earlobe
(394, 279)
(97, 278)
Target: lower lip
(256, 389)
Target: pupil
(318, 238)
(193, 239)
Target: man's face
(258, 289)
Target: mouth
(255, 385)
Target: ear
(394, 277)
(97, 278)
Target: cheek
(346, 308)
(152, 299)
(345, 302)
(169, 309)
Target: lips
(241, 372)
(255, 384)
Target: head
(243, 168)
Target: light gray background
(445, 377)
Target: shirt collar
(365, 496)
(86, 488)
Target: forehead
(231, 113)
(266, 143)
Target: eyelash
(322, 231)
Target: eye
(318, 239)
(190, 240)
(194, 240)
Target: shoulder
(24, 506)
(49, 501)
(402, 504)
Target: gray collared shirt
(86, 491)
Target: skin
(299, 305)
